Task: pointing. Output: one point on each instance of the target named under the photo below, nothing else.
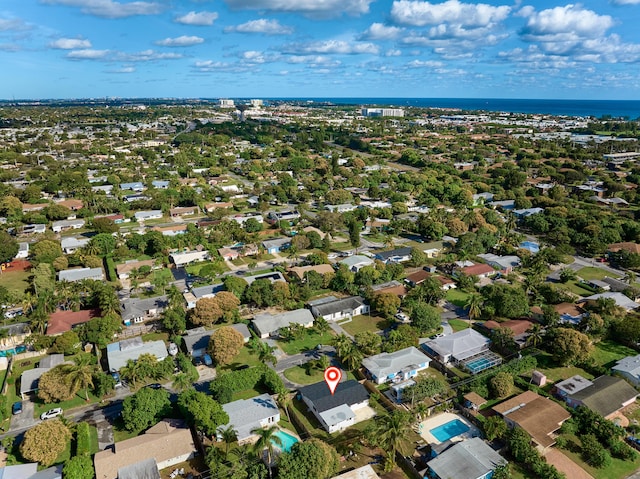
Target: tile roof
(62, 321)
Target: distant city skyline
(319, 48)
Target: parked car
(16, 408)
(403, 317)
(51, 413)
(154, 386)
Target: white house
(23, 251)
(245, 415)
(629, 368)
(334, 309)
(398, 366)
(148, 215)
(270, 324)
(64, 225)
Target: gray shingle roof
(339, 305)
(119, 353)
(468, 459)
(270, 323)
(80, 274)
(347, 392)
(383, 364)
(197, 338)
(460, 345)
(246, 414)
(606, 395)
(136, 307)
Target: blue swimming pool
(448, 430)
(12, 351)
(287, 440)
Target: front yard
(365, 322)
(309, 341)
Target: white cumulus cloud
(70, 44)
(625, 2)
(88, 54)
(110, 8)
(379, 31)
(13, 24)
(419, 14)
(570, 21)
(182, 41)
(267, 27)
(201, 19)
(333, 47)
(319, 8)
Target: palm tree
(390, 431)
(284, 401)
(630, 277)
(352, 357)
(229, 436)
(263, 350)
(535, 335)
(341, 343)
(324, 362)
(181, 382)
(267, 440)
(80, 374)
(131, 372)
(474, 305)
(321, 325)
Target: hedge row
(228, 383)
(83, 439)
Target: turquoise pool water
(287, 440)
(448, 430)
(12, 351)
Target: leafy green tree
(267, 441)
(78, 467)
(67, 343)
(100, 330)
(389, 432)
(45, 441)
(145, 408)
(201, 410)
(368, 342)
(386, 304)
(570, 346)
(54, 387)
(429, 291)
(104, 225)
(235, 285)
(264, 352)
(225, 344)
(501, 384)
(567, 274)
(494, 428)
(505, 301)
(45, 251)
(8, 247)
(312, 458)
(424, 317)
(593, 453)
(424, 387)
(401, 337)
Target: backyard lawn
(244, 357)
(309, 341)
(606, 353)
(298, 375)
(457, 297)
(458, 324)
(16, 282)
(591, 272)
(555, 373)
(618, 468)
(365, 322)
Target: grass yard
(309, 341)
(458, 324)
(219, 267)
(607, 352)
(457, 297)
(591, 272)
(244, 357)
(554, 373)
(575, 288)
(618, 469)
(365, 322)
(298, 375)
(155, 337)
(15, 281)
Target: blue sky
(320, 48)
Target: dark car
(154, 386)
(16, 408)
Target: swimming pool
(448, 430)
(12, 351)
(287, 440)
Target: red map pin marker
(332, 377)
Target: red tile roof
(63, 321)
(478, 269)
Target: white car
(51, 413)
(402, 317)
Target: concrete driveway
(25, 419)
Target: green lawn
(457, 297)
(590, 272)
(607, 352)
(15, 281)
(365, 322)
(93, 431)
(618, 469)
(298, 375)
(458, 324)
(554, 373)
(244, 357)
(219, 267)
(576, 288)
(309, 341)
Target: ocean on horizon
(576, 108)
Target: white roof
(383, 364)
(268, 323)
(337, 415)
(246, 414)
(630, 364)
(620, 299)
(119, 353)
(459, 344)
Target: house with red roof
(481, 270)
(63, 321)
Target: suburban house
(70, 245)
(398, 255)
(196, 294)
(343, 208)
(570, 312)
(391, 287)
(124, 270)
(229, 254)
(245, 415)
(63, 321)
(504, 264)
(397, 366)
(300, 271)
(160, 184)
(334, 309)
(276, 245)
(267, 324)
(364, 472)
(518, 327)
(13, 335)
(506, 205)
(132, 186)
(196, 341)
(620, 299)
(23, 251)
(30, 471)
(166, 444)
(470, 459)
(242, 219)
(356, 262)
(290, 216)
(606, 395)
(482, 198)
(540, 417)
(274, 277)
(433, 249)
(171, 230)
(137, 310)
(480, 270)
(339, 410)
(131, 349)
(148, 215)
(525, 212)
(79, 274)
(64, 225)
(209, 207)
(628, 368)
(30, 378)
(627, 246)
(466, 348)
(184, 211)
(33, 229)
(181, 259)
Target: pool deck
(430, 423)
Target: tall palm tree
(80, 374)
(352, 357)
(263, 350)
(390, 431)
(321, 325)
(229, 436)
(536, 335)
(341, 343)
(267, 440)
(284, 401)
(181, 381)
(474, 305)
